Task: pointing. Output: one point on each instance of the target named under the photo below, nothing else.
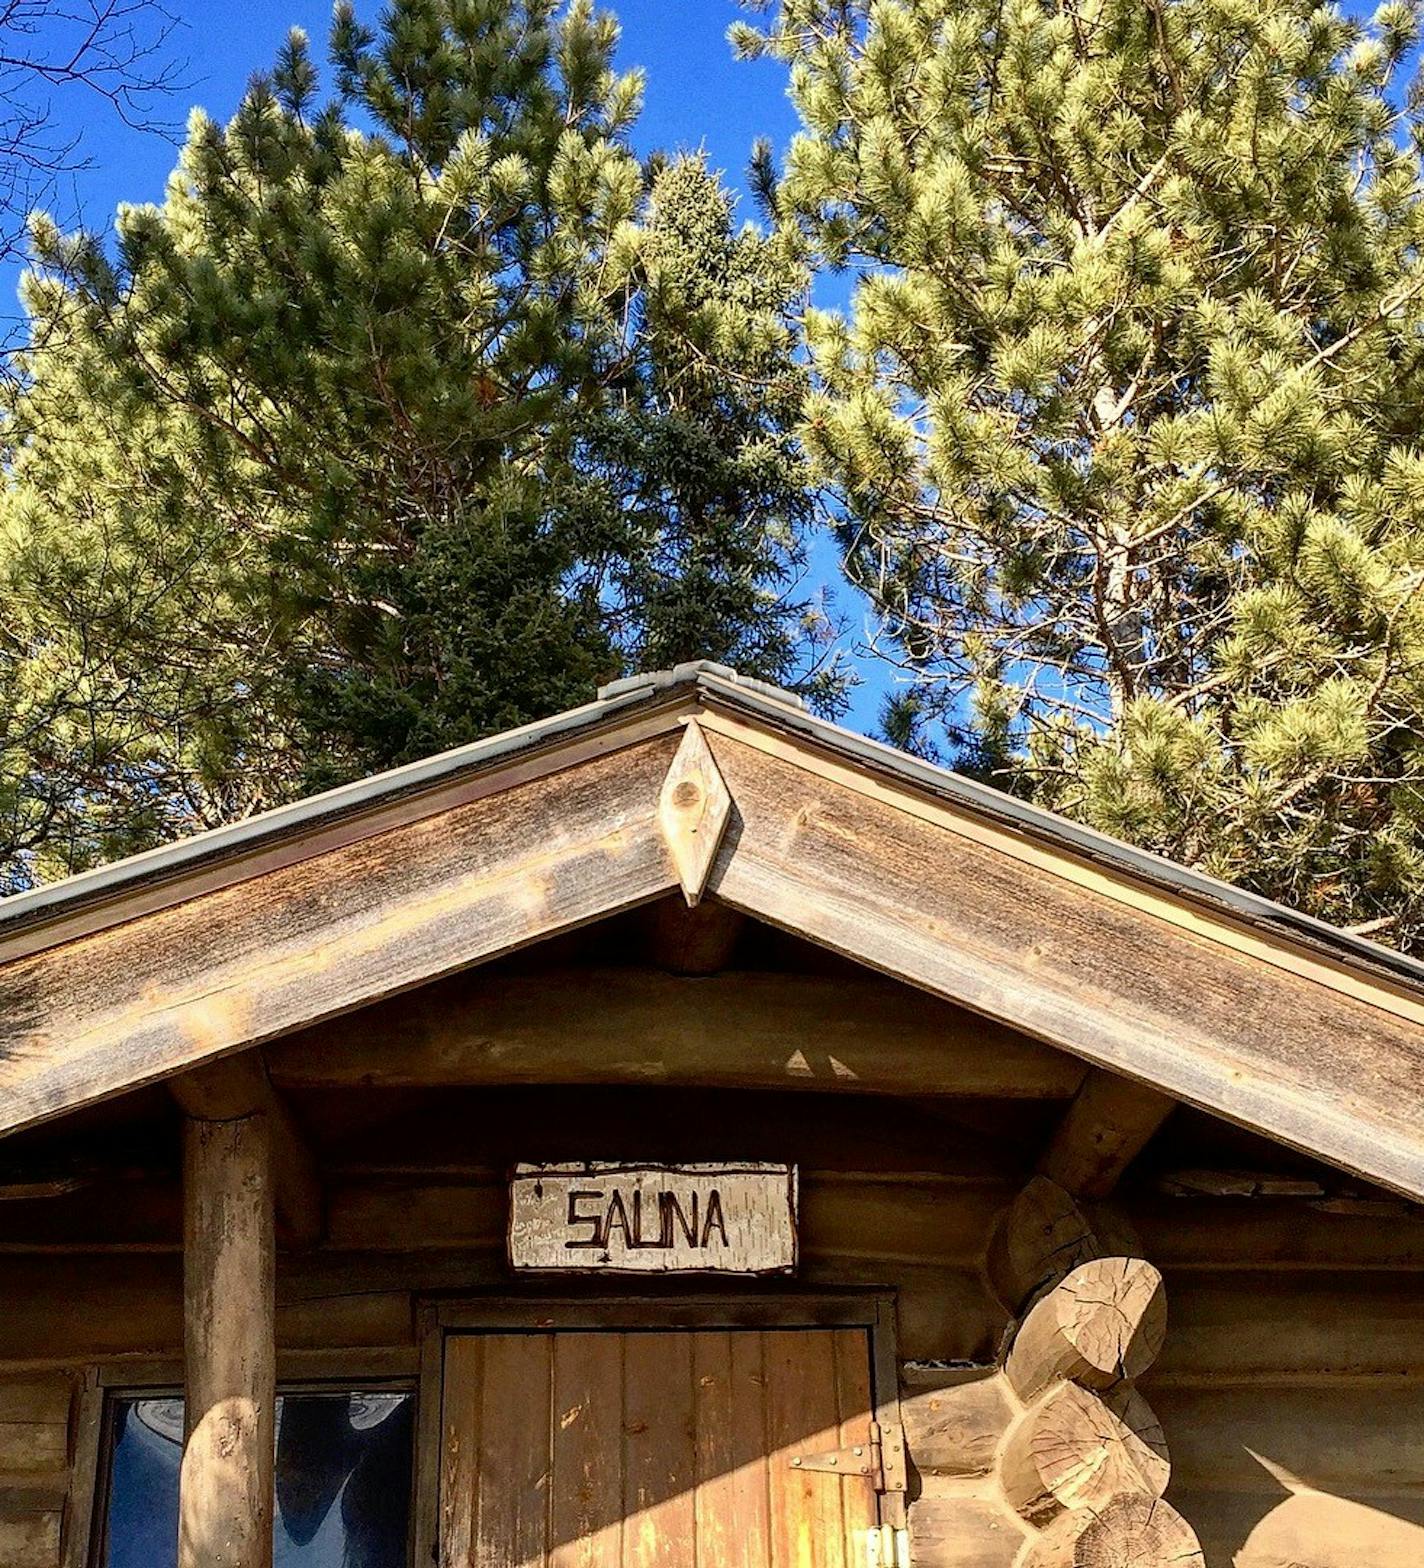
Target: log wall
(1290, 1384)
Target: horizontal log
(955, 1530)
(425, 1132)
(64, 1311)
(1265, 1326)
(44, 1400)
(23, 1496)
(843, 1214)
(739, 1029)
(1335, 1439)
(31, 1541)
(1190, 1233)
(29, 1447)
(954, 1420)
(61, 1311)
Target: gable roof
(142, 969)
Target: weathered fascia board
(1322, 1070)
(741, 1029)
(241, 964)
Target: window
(343, 1480)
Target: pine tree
(1125, 417)
(366, 442)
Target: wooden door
(605, 1449)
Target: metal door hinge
(882, 1457)
(886, 1547)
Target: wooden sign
(653, 1219)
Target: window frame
(92, 1476)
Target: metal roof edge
(757, 700)
(1050, 828)
(54, 900)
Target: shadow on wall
(1306, 1529)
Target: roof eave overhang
(801, 782)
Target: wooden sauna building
(682, 1134)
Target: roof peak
(698, 672)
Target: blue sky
(698, 96)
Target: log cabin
(684, 1134)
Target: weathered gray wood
(238, 1086)
(742, 1029)
(171, 989)
(1102, 1132)
(225, 1492)
(1069, 964)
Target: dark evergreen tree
(404, 419)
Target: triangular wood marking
(693, 810)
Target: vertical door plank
(460, 1448)
(514, 1457)
(732, 1529)
(660, 1467)
(855, 1406)
(586, 1508)
(653, 1450)
(802, 1418)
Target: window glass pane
(343, 1481)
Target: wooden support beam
(1106, 1127)
(691, 939)
(741, 1029)
(238, 1086)
(229, 1314)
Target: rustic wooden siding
(1291, 1384)
(38, 1416)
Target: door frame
(871, 1310)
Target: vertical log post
(229, 1266)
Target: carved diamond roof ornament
(694, 808)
